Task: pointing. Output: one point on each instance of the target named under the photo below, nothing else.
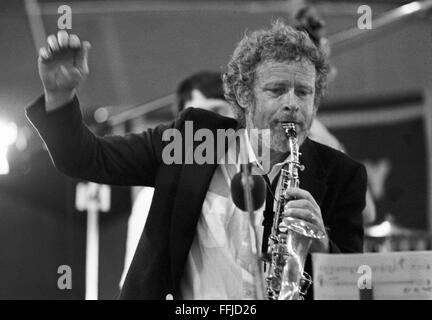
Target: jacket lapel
(192, 189)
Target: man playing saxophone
(195, 244)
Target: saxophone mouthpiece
(289, 128)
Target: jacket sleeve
(346, 226)
(132, 159)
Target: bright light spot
(410, 7)
(8, 133)
(4, 165)
(381, 230)
(101, 115)
(8, 136)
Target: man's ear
(243, 96)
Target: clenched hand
(63, 65)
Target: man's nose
(289, 102)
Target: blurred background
(379, 106)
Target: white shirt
(221, 258)
(220, 261)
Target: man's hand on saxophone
(303, 206)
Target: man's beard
(278, 138)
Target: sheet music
(393, 275)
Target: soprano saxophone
(290, 238)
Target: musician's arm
(132, 159)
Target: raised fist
(63, 66)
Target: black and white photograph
(217, 153)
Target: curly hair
(280, 43)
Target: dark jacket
(337, 183)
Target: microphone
(247, 190)
(248, 194)
(257, 187)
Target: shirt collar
(256, 165)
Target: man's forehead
(273, 71)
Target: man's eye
(302, 92)
(275, 91)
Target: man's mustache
(294, 119)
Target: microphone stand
(247, 183)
